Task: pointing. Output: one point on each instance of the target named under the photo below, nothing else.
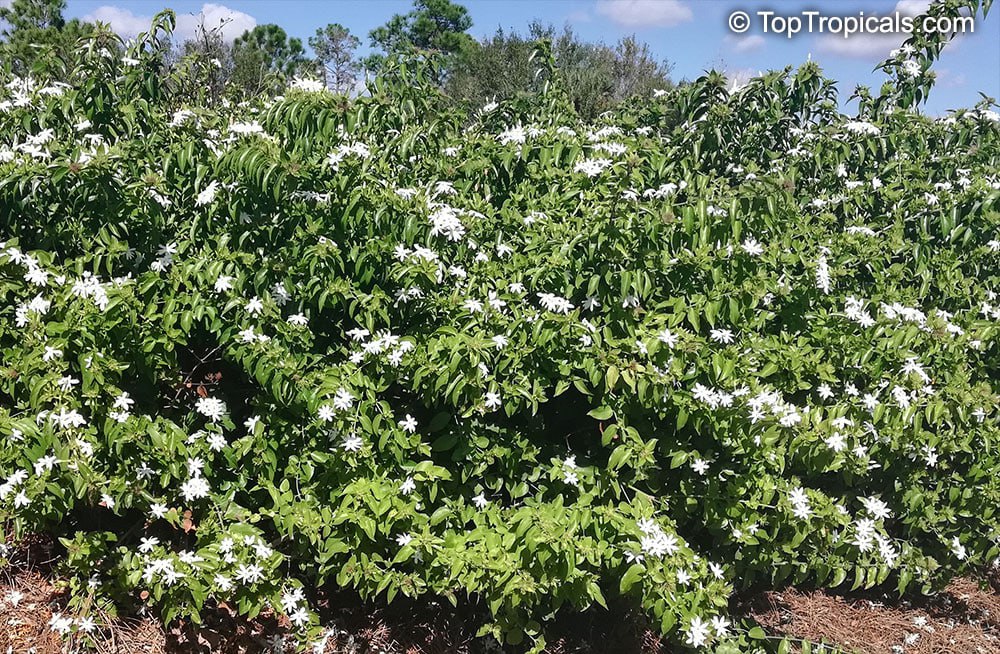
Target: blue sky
(692, 34)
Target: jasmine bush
(721, 338)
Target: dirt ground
(963, 619)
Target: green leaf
(600, 413)
(618, 457)
(630, 577)
(611, 377)
(439, 421)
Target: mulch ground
(962, 619)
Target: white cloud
(949, 79)
(746, 43)
(579, 17)
(231, 22)
(867, 46)
(645, 13)
(861, 46)
(912, 7)
(122, 21)
(740, 77)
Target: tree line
(596, 76)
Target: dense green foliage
(437, 26)
(263, 60)
(334, 46)
(595, 77)
(35, 30)
(717, 339)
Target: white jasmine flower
(352, 443)
(408, 486)
(212, 408)
(697, 632)
(409, 424)
(343, 400)
(207, 195)
(800, 503)
(194, 489)
(724, 336)
(223, 283)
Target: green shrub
(720, 339)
